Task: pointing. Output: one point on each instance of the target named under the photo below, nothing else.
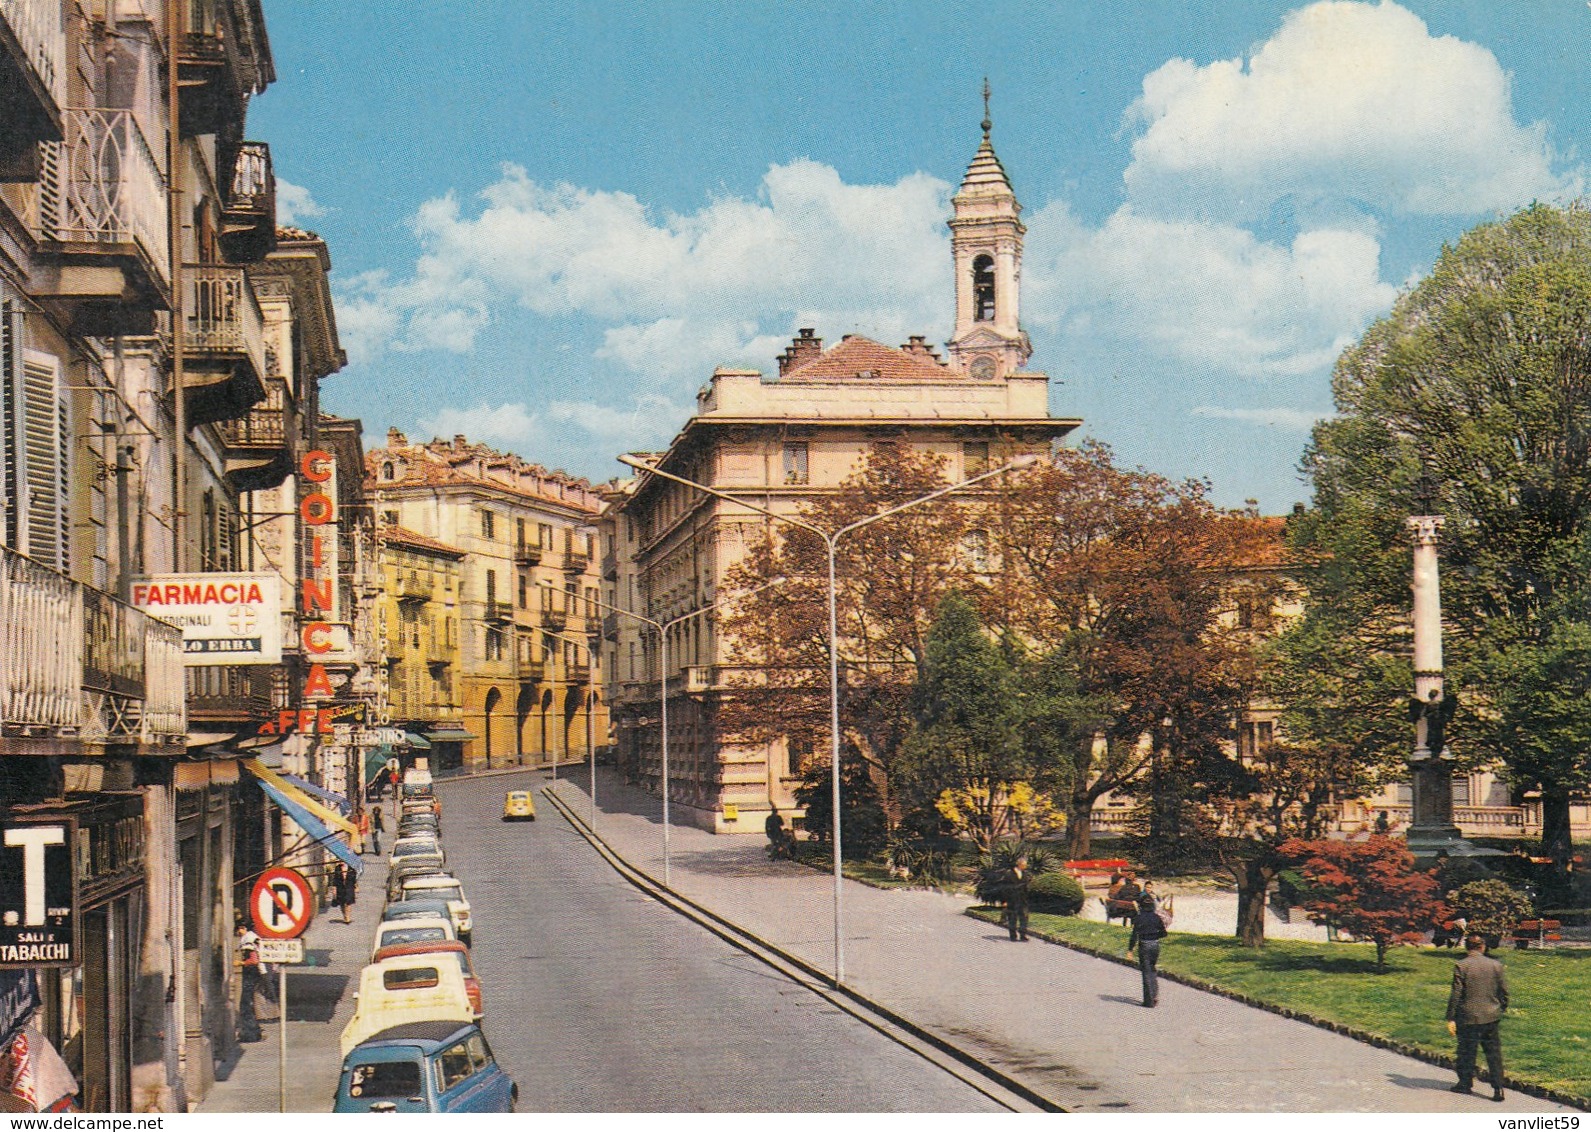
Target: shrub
(1490, 907)
(993, 864)
(1057, 893)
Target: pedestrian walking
(1475, 1009)
(1014, 888)
(378, 826)
(342, 887)
(1148, 929)
(362, 824)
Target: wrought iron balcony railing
(39, 28)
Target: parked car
(412, 909)
(421, 866)
(472, 985)
(410, 846)
(424, 1067)
(418, 825)
(519, 806)
(414, 929)
(406, 989)
(440, 886)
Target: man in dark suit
(1474, 1009)
(1014, 885)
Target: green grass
(1546, 1035)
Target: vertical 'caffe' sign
(318, 590)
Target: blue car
(425, 1067)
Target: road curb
(1380, 1041)
(748, 941)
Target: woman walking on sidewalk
(342, 889)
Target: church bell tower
(986, 242)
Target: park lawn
(1546, 1035)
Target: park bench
(1539, 932)
(1103, 867)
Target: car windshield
(384, 1079)
(418, 845)
(435, 891)
(410, 909)
(519, 796)
(411, 935)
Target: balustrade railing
(253, 182)
(75, 662)
(103, 186)
(224, 314)
(40, 29)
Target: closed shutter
(10, 398)
(45, 462)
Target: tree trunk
(1381, 954)
(1079, 828)
(1556, 841)
(1254, 881)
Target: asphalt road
(598, 999)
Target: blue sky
(549, 222)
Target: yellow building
(527, 626)
(418, 624)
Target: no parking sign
(282, 904)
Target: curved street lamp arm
(641, 466)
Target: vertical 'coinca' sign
(318, 591)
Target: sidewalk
(1068, 1024)
(319, 1004)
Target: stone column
(1432, 829)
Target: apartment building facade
(528, 626)
(152, 396)
(779, 441)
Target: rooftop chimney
(459, 443)
(803, 348)
(396, 439)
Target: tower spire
(987, 124)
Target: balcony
(248, 214)
(610, 626)
(258, 455)
(610, 565)
(77, 665)
(527, 554)
(102, 226)
(412, 587)
(554, 619)
(231, 694)
(32, 81)
(576, 561)
(222, 60)
(578, 671)
(532, 670)
(499, 611)
(223, 344)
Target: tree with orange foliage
(1124, 580)
(1370, 889)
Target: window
(491, 589)
(494, 644)
(795, 463)
(983, 289)
(544, 535)
(546, 599)
(389, 518)
(488, 524)
(453, 1067)
(977, 547)
(387, 471)
(519, 532)
(974, 458)
(480, 1056)
(571, 598)
(1461, 790)
(410, 978)
(524, 591)
(384, 1079)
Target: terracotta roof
(402, 536)
(440, 464)
(862, 358)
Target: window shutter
(38, 434)
(10, 398)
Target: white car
(416, 929)
(440, 886)
(409, 846)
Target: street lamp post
(830, 542)
(661, 628)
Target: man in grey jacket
(1474, 1009)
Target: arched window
(983, 289)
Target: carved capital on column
(1424, 528)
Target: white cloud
(294, 204)
(1204, 293)
(506, 424)
(677, 290)
(1347, 102)
(513, 424)
(1287, 420)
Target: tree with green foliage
(1478, 382)
(1490, 907)
(863, 829)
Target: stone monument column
(1432, 829)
